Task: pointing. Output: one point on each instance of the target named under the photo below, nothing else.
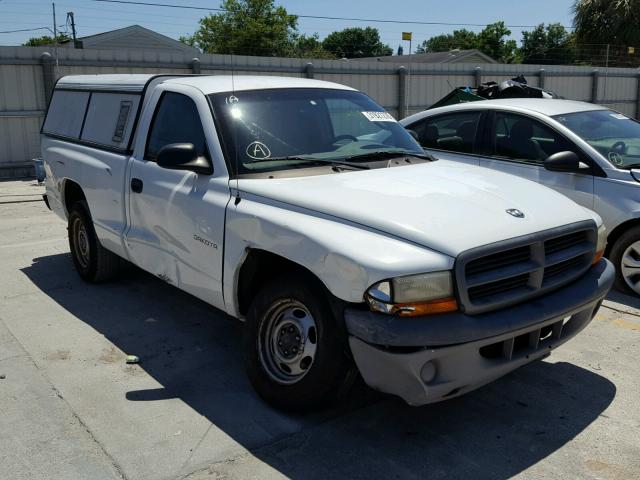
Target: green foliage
(45, 40)
(460, 39)
(308, 47)
(551, 45)
(246, 27)
(356, 43)
(492, 42)
(615, 22)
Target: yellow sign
(632, 50)
(406, 35)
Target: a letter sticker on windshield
(231, 100)
(258, 150)
(379, 116)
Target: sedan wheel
(630, 266)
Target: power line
(25, 30)
(318, 17)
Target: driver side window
(521, 138)
(176, 120)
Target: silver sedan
(588, 152)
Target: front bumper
(452, 354)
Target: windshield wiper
(383, 154)
(316, 161)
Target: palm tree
(615, 22)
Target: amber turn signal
(597, 257)
(433, 307)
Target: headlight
(414, 295)
(601, 245)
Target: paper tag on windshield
(379, 116)
(619, 116)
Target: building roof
(206, 83)
(132, 37)
(454, 56)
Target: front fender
(346, 257)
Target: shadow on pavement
(193, 351)
(632, 301)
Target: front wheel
(625, 255)
(295, 349)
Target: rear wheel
(625, 255)
(295, 349)
(93, 262)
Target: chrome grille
(506, 273)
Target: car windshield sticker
(258, 150)
(619, 116)
(231, 99)
(615, 158)
(379, 116)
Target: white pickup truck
(306, 210)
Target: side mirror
(182, 156)
(565, 162)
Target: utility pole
(55, 28)
(73, 28)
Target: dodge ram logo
(514, 212)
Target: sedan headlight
(601, 245)
(414, 295)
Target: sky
(94, 17)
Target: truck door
(176, 217)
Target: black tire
(627, 239)
(93, 262)
(331, 372)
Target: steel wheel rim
(287, 341)
(81, 243)
(630, 266)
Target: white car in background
(588, 152)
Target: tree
(461, 39)
(308, 47)
(492, 42)
(45, 40)
(552, 45)
(607, 22)
(356, 43)
(246, 27)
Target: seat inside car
(520, 143)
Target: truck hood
(445, 206)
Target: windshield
(267, 130)
(614, 135)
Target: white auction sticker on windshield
(379, 116)
(619, 116)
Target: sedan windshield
(615, 136)
(267, 130)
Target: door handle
(136, 185)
